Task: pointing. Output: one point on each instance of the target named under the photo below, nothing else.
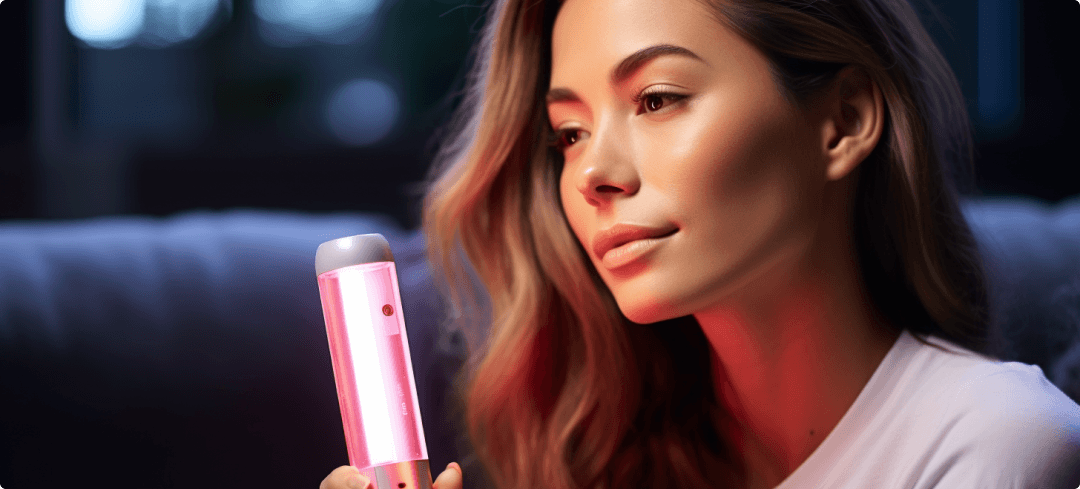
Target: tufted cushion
(1032, 252)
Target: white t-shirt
(932, 419)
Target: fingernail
(359, 482)
(455, 466)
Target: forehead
(593, 35)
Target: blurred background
(191, 354)
(153, 107)
(158, 106)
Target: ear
(853, 119)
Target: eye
(652, 99)
(563, 138)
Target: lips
(621, 234)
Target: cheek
(742, 179)
(717, 149)
(572, 202)
(714, 161)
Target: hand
(349, 477)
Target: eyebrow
(626, 67)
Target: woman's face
(690, 144)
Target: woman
(721, 247)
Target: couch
(190, 351)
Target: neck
(792, 352)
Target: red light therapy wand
(369, 350)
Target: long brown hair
(561, 390)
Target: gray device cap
(352, 250)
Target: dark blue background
(248, 143)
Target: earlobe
(854, 121)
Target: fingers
(346, 477)
(450, 478)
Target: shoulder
(949, 418)
(1016, 404)
(1006, 425)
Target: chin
(647, 300)
(647, 312)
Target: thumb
(450, 478)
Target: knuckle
(337, 478)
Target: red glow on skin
(761, 192)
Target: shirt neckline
(866, 404)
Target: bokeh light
(292, 22)
(111, 24)
(362, 112)
(106, 24)
(174, 21)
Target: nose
(606, 171)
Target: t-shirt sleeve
(1013, 429)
